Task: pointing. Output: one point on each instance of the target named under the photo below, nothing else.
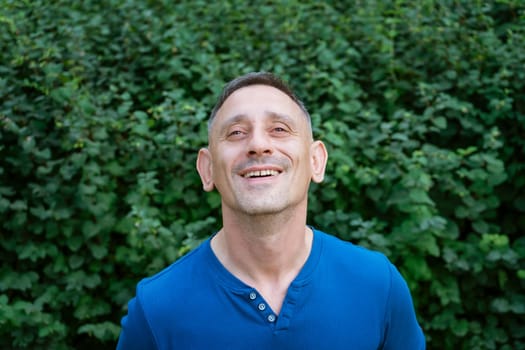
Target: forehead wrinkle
(280, 116)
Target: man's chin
(261, 212)
(261, 209)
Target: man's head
(256, 78)
(261, 155)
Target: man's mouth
(260, 173)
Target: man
(266, 280)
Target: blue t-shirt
(344, 297)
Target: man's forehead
(260, 98)
(258, 90)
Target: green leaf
(75, 242)
(18, 281)
(98, 251)
(103, 331)
(420, 197)
(460, 328)
(75, 261)
(4, 204)
(418, 268)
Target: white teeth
(259, 173)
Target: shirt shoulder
(184, 269)
(351, 258)
(369, 276)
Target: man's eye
(235, 133)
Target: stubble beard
(263, 204)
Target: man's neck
(265, 252)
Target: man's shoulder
(348, 250)
(176, 292)
(355, 259)
(179, 272)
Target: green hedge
(103, 107)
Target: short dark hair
(256, 78)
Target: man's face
(261, 155)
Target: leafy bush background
(103, 107)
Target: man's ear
(204, 167)
(318, 158)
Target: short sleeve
(136, 332)
(402, 329)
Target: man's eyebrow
(285, 118)
(231, 121)
(239, 118)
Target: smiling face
(261, 155)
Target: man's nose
(260, 143)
